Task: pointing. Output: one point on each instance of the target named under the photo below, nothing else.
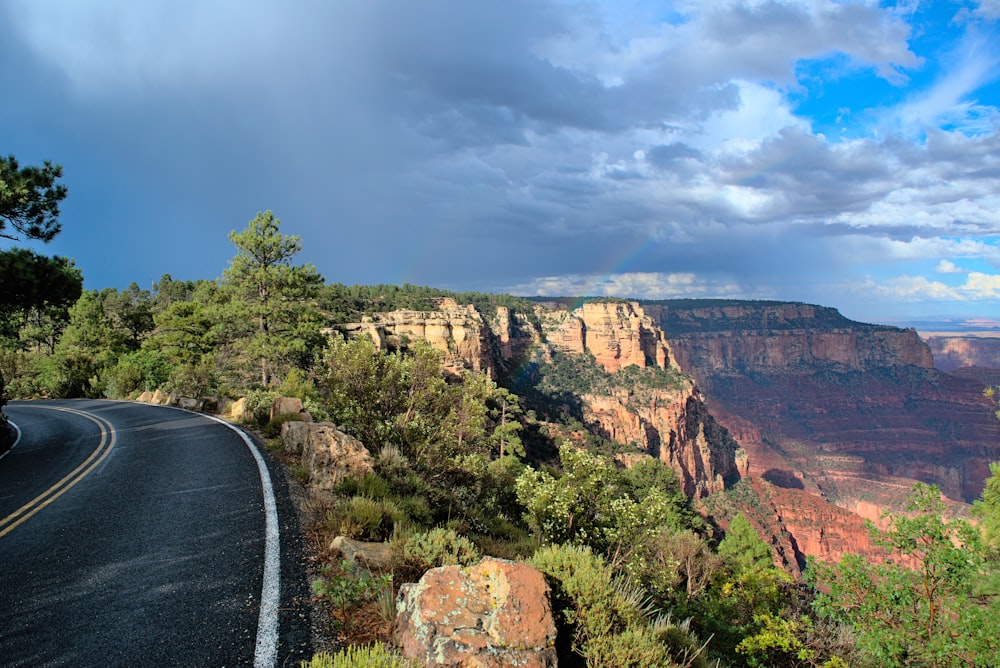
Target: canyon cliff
(828, 421)
(847, 412)
(669, 422)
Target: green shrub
(139, 370)
(635, 647)
(350, 588)
(192, 380)
(681, 642)
(373, 656)
(417, 509)
(592, 607)
(365, 518)
(373, 486)
(438, 547)
(258, 405)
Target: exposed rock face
(616, 334)
(376, 556)
(330, 454)
(491, 615)
(467, 338)
(675, 427)
(771, 336)
(954, 352)
(852, 413)
(671, 424)
(238, 410)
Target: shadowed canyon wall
(855, 412)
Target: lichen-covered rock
(493, 614)
(329, 454)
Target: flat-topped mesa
(617, 334)
(715, 337)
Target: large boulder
(238, 410)
(289, 406)
(491, 615)
(329, 454)
(158, 397)
(189, 403)
(145, 397)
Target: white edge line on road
(16, 440)
(266, 653)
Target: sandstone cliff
(467, 339)
(616, 334)
(669, 422)
(846, 412)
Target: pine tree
(270, 312)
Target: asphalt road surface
(135, 535)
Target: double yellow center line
(100, 453)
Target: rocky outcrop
(239, 411)
(370, 555)
(467, 339)
(675, 427)
(491, 615)
(328, 454)
(617, 334)
(774, 336)
(291, 406)
(669, 423)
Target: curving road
(136, 535)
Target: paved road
(133, 535)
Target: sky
(843, 153)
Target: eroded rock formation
(617, 334)
(842, 412)
(467, 339)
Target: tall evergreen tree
(271, 311)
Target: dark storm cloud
(476, 143)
